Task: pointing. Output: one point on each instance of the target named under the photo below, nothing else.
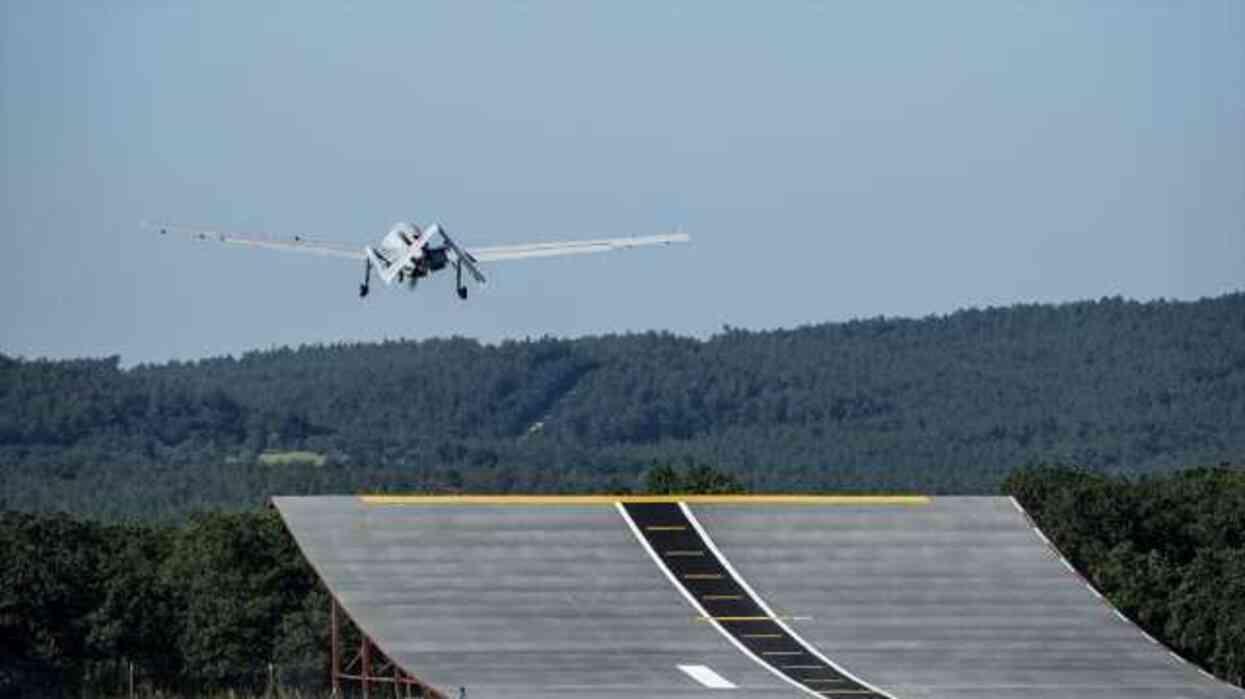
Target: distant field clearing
(285, 458)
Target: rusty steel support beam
(365, 653)
(364, 668)
(335, 648)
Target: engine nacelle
(436, 258)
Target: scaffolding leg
(365, 655)
(335, 649)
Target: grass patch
(287, 458)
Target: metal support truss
(369, 668)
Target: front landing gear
(367, 279)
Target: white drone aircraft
(407, 254)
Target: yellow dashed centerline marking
(783, 652)
(684, 554)
(722, 597)
(764, 635)
(671, 528)
(702, 576)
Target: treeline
(195, 607)
(1168, 552)
(940, 405)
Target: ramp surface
(760, 597)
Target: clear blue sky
(831, 161)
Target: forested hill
(950, 403)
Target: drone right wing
(573, 247)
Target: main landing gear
(367, 279)
(461, 288)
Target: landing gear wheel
(367, 277)
(458, 280)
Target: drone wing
(574, 247)
(297, 242)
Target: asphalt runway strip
(679, 545)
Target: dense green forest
(941, 404)
(199, 606)
(210, 602)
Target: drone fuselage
(406, 255)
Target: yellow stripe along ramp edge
(610, 500)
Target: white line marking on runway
(706, 676)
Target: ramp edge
(1107, 602)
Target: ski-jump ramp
(702, 596)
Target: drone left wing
(297, 242)
(573, 247)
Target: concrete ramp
(600, 597)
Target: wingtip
(152, 226)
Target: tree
(238, 576)
(48, 586)
(664, 479)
